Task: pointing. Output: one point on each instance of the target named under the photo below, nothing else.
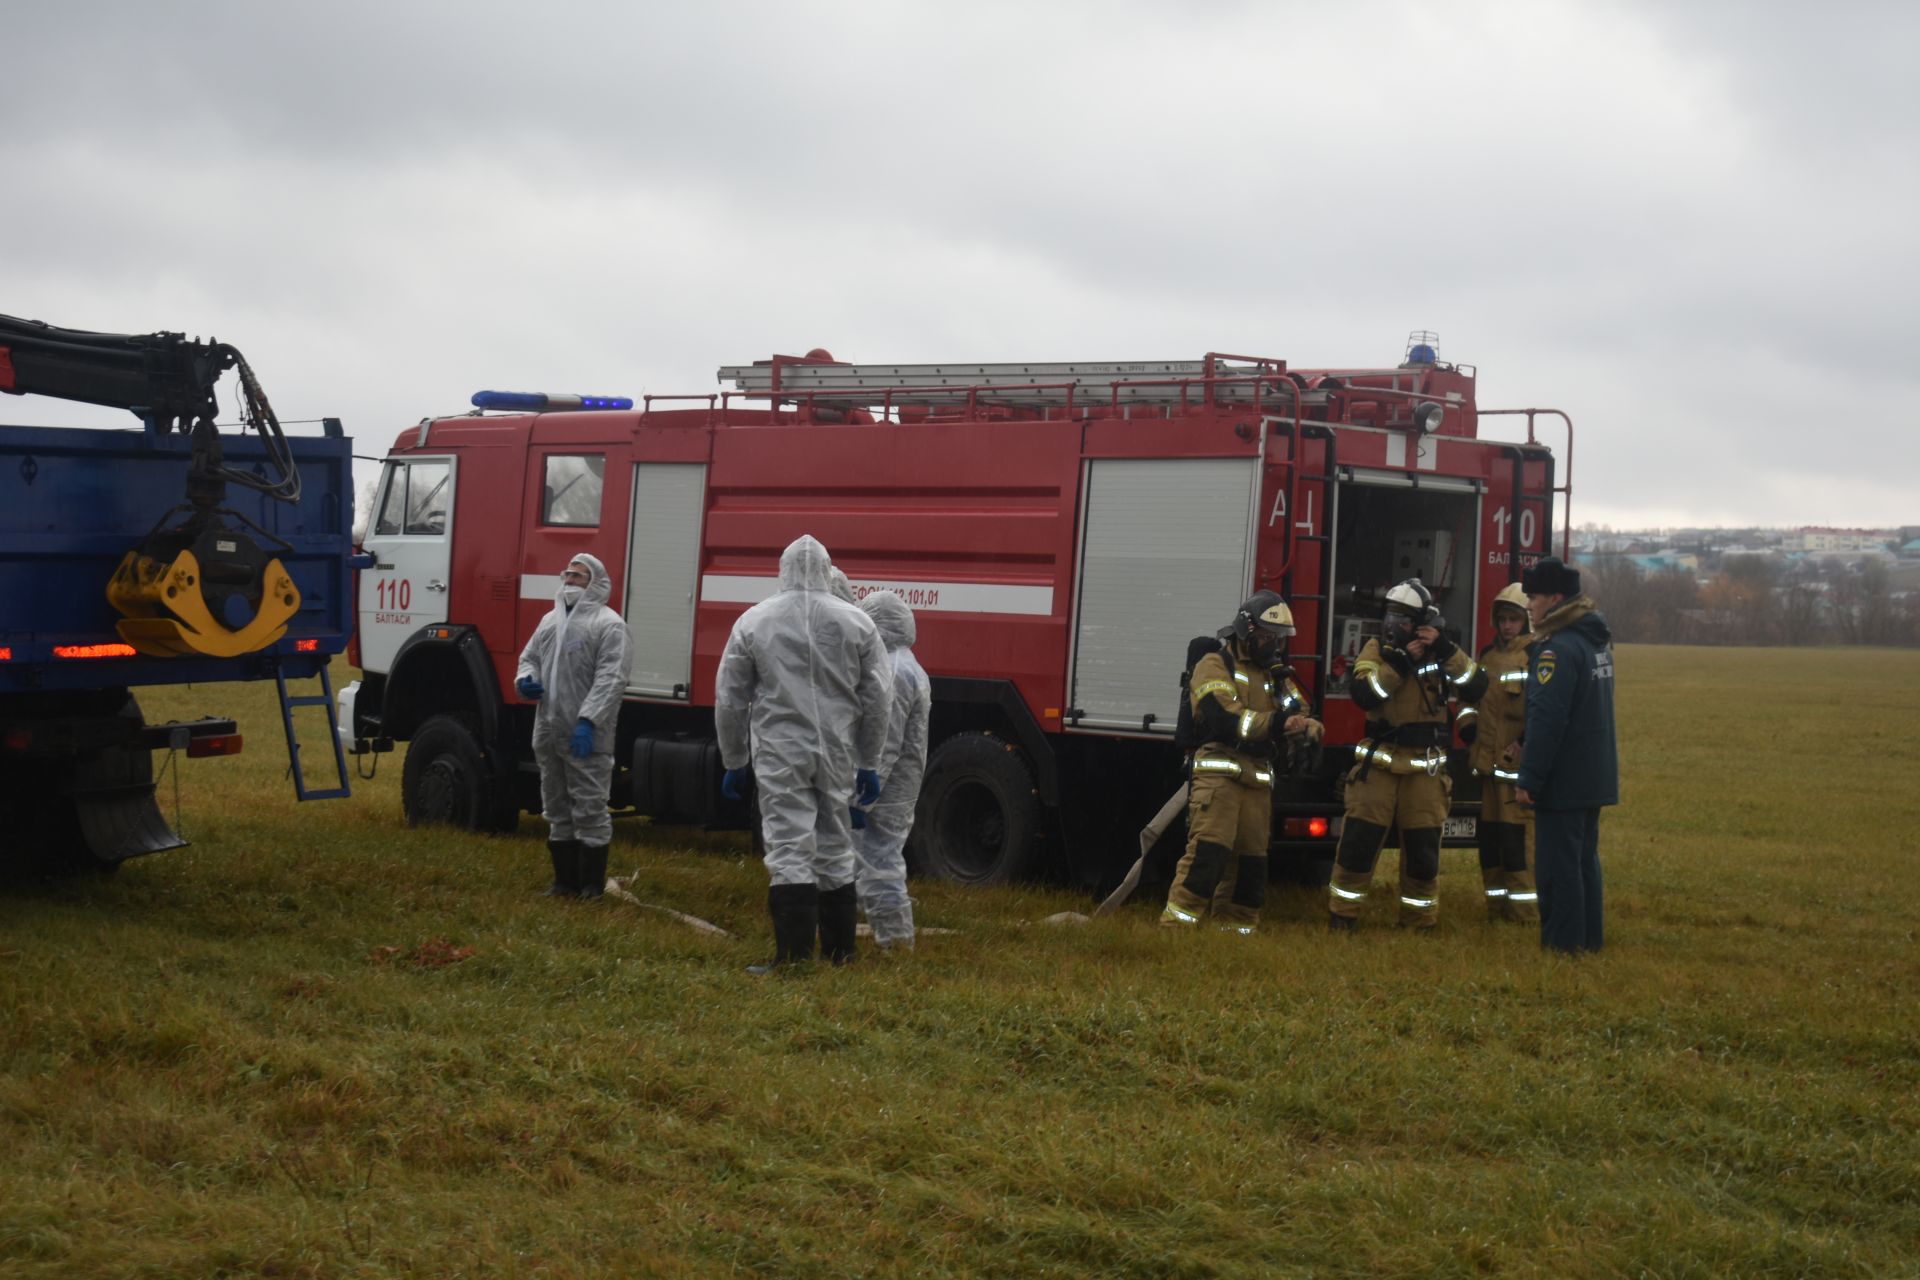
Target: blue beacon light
(540, 402)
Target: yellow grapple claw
(164, 613)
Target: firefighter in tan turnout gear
(1402, 680)
(1243, 703)
(1493, 729)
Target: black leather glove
(1441, 649)
(1469, 730)
(1397, 659)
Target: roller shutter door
(1166, 555)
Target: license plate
(1459, 828)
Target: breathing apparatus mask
(1262, 626)
(1409, 607)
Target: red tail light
(93, 651)
(219, 744)
(306, 646)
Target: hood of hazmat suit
(580, 655)
(804, 687)
(841, 588)
(903, 760)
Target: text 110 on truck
(1060, 530)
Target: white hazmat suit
(803, 693)
(880, 847)
(579, 655)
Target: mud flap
(121, 822)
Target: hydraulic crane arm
(200, 586)
(166, 379)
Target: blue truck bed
(74, 501)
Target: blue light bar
(540, 402)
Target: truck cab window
(571, 496)
(415, 501)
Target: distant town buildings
(1819, 539)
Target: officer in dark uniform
(1570, 767)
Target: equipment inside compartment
(1386, 534)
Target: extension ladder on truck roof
(1240, 379)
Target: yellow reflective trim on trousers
(1232, 769)
(1178, 916)
(1420, 904)
(1496, 893)
(1522, 897)
(1349, 894)
(1506, 775)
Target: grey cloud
(1687, 225)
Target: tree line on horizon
(1754, 600)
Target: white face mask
(570, 595)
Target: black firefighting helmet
(1265, 611)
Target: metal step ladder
(1319, 544)
(1159, 382)
(289, 701)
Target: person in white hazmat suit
(575, 668)
(838, 583)
(802, 696)
(880, 832)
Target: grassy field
(317, 1043)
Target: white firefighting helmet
(1412, 598)
(1512, 597)
(1265, 610)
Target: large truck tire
(449, 779)
(980, 820)
(88, 811)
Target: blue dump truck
(168, 554)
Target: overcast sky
(1690, 225)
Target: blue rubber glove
(529, 688)
(867, 783)
(859, 819)
(732, 783)
(582, 744)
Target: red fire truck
(1060, 530)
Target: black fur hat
(1550, 577)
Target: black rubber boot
(1341, 924)
(566, 859)
(839, 918)
(592, 880)
(795, 909)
